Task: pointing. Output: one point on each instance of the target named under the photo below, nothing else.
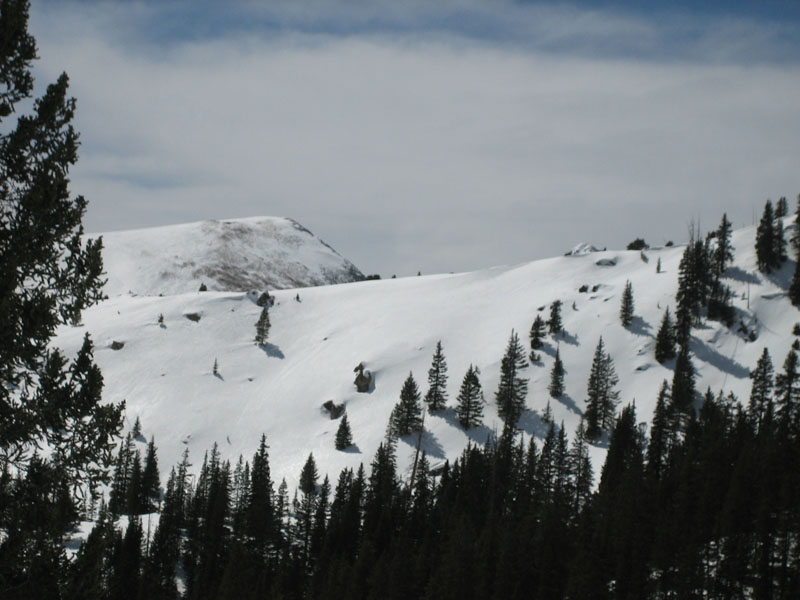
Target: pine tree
(626, 308)
(537, 334)
(512, 389)
(760, 406)
(151, 484)
(136, 432)
(260, 514)
(469, 407)
(344, 437)
(555, 324)
(794, 287)
(665, 339)
(436, 398)
(660, 433)
(306, 506)
(602, 397)
(48, 275)
(262, 327)
(781, 208)
(723, 253)
(407, 414)
(688, 297)
(556, 387)
(215, 368)
(658, 265)
(765, 241)
(580, 466)
(683, 390)
(787, 390)
(795, 239)
(780, 244)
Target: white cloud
(421, 152)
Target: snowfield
(232, 255)
(164, 373)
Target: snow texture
(164, 373)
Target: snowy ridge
(165, 373)
(231, 255)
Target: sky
(418, 136)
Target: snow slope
(165, 373)
(233, 255)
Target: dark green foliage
(469, 407)
(136, 432)
(406, 417)
(436, 398)
(215, 368)
(795, 239)
(781, 208)
(555, 325)
(626, 308)
(723, 253)
(787, 391)
(344, 437)
(151, 484)
(556, 387)
(637, 244)
(537, 334)
(766, 242)
(602, 398)
(513, 388)
(760, 407)
(262, 327)
(683, 390)
(662, 432)
(794, 286)
(665, 339)
(780, 243)
(689, 297)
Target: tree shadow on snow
(429, 444)
(478, 434)
(354, 449)
(272, 351)
(739, 274)
(531, 423)
(708, 354)
(568, 338)
(641, 327)
(569, 403)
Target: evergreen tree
(760, 406)
(602, 397)
(215, 368)
(665, 339)
(626, 308)
(436, 398)
(781, 208)
(262, 327)
(469, 408)
(580, 465)
(765, 241)
(407, 414)
(305, 508)
(151, 484)
(512, 389)
(683, 390)
(795, 239)
(688, 297)
(537, 334)
(555, 324)
(794, 287)
(344, 437)
(556, 387)
(787, 390)
(723, 254)
(780, 244)
(658, 265)
(260, 514)
(660, 433)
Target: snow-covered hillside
(232, 255)
(164, 373)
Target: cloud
(413, 144)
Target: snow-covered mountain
(164, 373)
(232, 255)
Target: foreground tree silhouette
(603, 398)
(436, 398)
(48, 277)
(512, 389)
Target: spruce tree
(580, 466)
(626, 308)
(781, 208)
(436, 398)
(760, 406)
(683, 390)
(658, 265)
(151, 484)
(469, 407)
(794, 286)
(344, 437)
(512, 389)
(787, 390)
(555, 324)
(536, 335)
(261, 528)
(48, 274)
(602, 398)
(556, 387)
(262, 327)
(723, 253)
(780, 244)
(407, 414)
(795, 239)
(688, 297)
(765, 241)
(665, 339)
(660, 433)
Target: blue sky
(432, 136)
